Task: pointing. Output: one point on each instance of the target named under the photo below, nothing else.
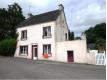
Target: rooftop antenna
(58, 2)
(29, 8)
(29, 13)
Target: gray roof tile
(41, 18)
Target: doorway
(70, 56)
(35, 52)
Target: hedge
(8, 47)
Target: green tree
(97, 35)
(15, 17)
(7, 47)
(9, 19)
(71, 35)
(101, 44)
(77, 38)
(3, 23)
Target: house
(47, 33)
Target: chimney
(61, 7)
(30, 15)
(83, 36)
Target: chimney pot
(61, 7)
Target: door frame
(34, 44)
(68, 56)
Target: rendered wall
(34, 36)
(77, 46)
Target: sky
(80, 14)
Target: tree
(97, 35)
(71, 35)
(9, 19)
(3, 23)
(94, 33)
(101, 44)
(15, 17)
(7, 47)
(77, 38)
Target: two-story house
(46, 33)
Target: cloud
(90, 15)
(41, 3)
(80, 14)
(85, 15)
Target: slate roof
(41, 18)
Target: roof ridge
(47, 12)
(41, 18)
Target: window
(65, 36)
(23, 49)
(24, 34)
(47, 32)
(47, 49)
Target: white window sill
(23, 39)
(21, 54)
(44, 37)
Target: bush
(7, 47)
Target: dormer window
(47, 32)
(24, 35)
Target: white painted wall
(79, 48)
(34, 34)
(59, 45)
(91, 58)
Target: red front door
(70, 56)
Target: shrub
(7, 47)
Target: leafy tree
(7, 47)
(100, 31)
(3, 23)
(15, 17)
(9, 19)
(71, 35)
(101, 44)
(93, 34)
(77, 38)
(97, 35)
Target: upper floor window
(47, 32)
(24, 34)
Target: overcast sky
(80, 14)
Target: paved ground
(16, 68)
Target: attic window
(47, 32)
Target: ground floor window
(24, 49)
(47, 49)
